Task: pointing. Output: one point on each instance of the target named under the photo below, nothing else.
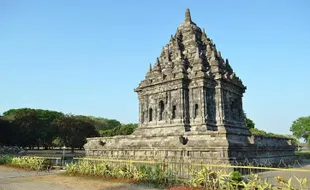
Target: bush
(236, 176)
(163, 176)
(33, 163)
(5, 159)
(151, 174)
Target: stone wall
(199, 148)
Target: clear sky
(86, 57)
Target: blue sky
(86, 57)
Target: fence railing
(184, 170)
(284, 174)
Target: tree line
(31, 128)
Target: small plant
(204, 178)
(5, 159)
(302, 182)
(33, 163)
(158, 175)
(287, 183)
(236, 176)
(264, 186)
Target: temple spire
(204, 33)
(188, 16)
(157, 61)
(150, 67)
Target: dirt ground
(16, 179)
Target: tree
(28, 128)
(248, 122)
(47, 131)
(301, 128)
(99, 122)
(113, 123)
(104, 123)
(124, 129)
(73, 130)
(6, 131)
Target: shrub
(33, 163)
(5, 159)
(154, 174)
(236, 176)
(161, 175)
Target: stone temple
(190, 109)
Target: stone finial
(195, 38)
(188, 16)
(204, 34)
(171, 38)
(204, 31)
(197, 54)
(228, 67)
(167, 54)
(157, 61)
(150, 67)
(208, 48)
(219, 54)
(213, 55)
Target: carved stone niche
(251, 139)
(101, 143)
(183, 140)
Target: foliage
(33, 163)
(57, 142)
(301, 128)
(154, 174)
(289, 185)
(161, 174)
(125, 129)
(44, 115)
(73, 130)
(5, 159)
(248, 122)
(104, 123)
(203, 178)
(255, 131)
(31, 127)
(255, 182)
(236, 176)
(6, 134)
(28, 128)
(36, 128)
(251, 126)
